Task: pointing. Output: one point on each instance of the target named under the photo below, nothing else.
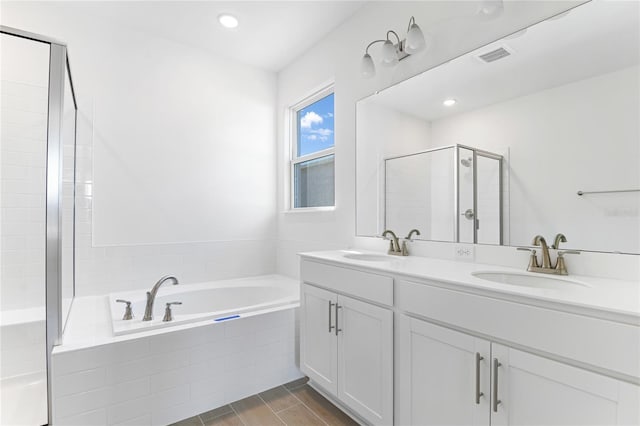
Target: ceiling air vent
(494, 55)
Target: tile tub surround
(165, 376)
(292, 404)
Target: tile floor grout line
(271, 409)
(219, 415)
(236, 413)
(305, 405)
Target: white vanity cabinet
(449, 377)
(346, 344)
(502, 371)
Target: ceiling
(592, 39)
(271, 34)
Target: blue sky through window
(315, 126)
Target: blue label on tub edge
(227, 318)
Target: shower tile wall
(23, 109)
(103, 270)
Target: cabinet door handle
(331, 327)
(337, 329)
(478, 393)
(495, 399)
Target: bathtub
(216, 301)
(155, 373)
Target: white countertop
(612, 299)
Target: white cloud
(329, 115)
(312, 137)
(322, 132)
(309, 119)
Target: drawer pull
(331, 327)
(495, 401)
(337, 329)
(478, 393)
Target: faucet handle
(533, 259)
(561, 267)
(167, 311)
(128, 314)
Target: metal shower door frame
(58, 63)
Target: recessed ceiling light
(227, 20)
(449, 102)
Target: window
(312, 152)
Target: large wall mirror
(536, 133)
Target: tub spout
(151, 296)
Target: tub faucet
(151, 296)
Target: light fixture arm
(412, 20)
(395, 34)
(366, 51)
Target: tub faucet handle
(167, 311)
(128, 314)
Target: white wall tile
(165, 385)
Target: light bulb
(367, 67)
(227, 20)
(449, 102)
(415, 39)
(389, 53)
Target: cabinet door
(365, 359)
(534, 390)
(443, 375)
(318, 350)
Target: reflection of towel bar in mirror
(607, 192)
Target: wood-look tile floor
(293, 404)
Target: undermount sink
(527, 280)
(368, 257)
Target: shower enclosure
(452, 193)
(38, 113)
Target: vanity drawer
(605, 344)
(365, 285)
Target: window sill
(310, 210)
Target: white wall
(337, 58)
(386, 133)
(174, 146)
(557, 139)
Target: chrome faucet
(394, 246)
(560, 268)
(151, 296)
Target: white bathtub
(216, 301)
(157, 376)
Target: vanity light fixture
(449, 102)
(394, 52)
(227, 20)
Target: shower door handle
(468, 214)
